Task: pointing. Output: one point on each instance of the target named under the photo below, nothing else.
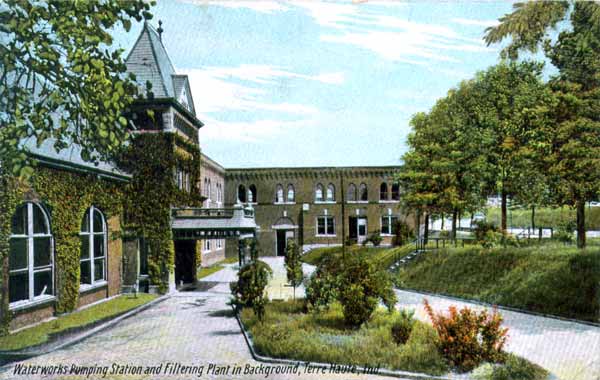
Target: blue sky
(319, 83)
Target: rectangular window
(387, 224)
(325, 226)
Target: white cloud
(215, 92)
(258, 6)
(467, 21)
(249, 132)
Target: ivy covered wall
(66, 195)
(152, 159)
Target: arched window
(363, 193)
(209, 191)
(93, 247)
(395, 192)
(279, 194)
(30, 261)
(383, 192)
(351, 192)
(291, 194)
(330, 193)
(319, 193)
(252, 194)
(242, 194)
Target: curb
(7, 357)
(404, 375)
(500, 307)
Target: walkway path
(569, 350)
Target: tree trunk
(426, 232)
(503, 208)
(454, 216)
(580, 224)
(442, 228)
(533, 217)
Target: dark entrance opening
(281, 243)
(353, 228)
(185, 261)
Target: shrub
(322, 286)
(362, 286)
(293, 265)
(513, 367)
(403, 325)
(403, 233)
(468, 338)
(482, 228)
(564, 232)
(492, 239)
(350, 241)
(374, 238)
(249, 290)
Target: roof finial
(160, 30)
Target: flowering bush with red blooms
(468, 338)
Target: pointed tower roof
(149, 61)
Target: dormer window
(183, 99)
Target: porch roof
(216, 223)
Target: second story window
(395, 192)
(242, 194)
(319, 193)
(351, 192)
(291, 194)
(252, 194)
(279, 194)
(383, 192)
(363, 193)
(330, 193)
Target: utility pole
(343, 218)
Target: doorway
(357, 228)
(185, 261)
(282, 238)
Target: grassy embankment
(43, 332)
(322, 337)
(383, 257)
(551, 278)
(207, 271)
(545, 217)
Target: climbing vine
(66, 196)
(152, 159)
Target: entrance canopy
(212, 223)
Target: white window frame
(326, 217)
(31, 269)
(91, 257)
(292, 199)
(279, 194)
(389, 217)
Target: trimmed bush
(403, 326)
(362, 286)
(513, 368)
(374, 238)
(249, 290)
(293, 265)
(468, 338)
(321, 289)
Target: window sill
(358, 202)
(325, 202)
(325, 236)
(38, 301)
(86, 288)
(386, 235)
(284, 203)
(389, 201)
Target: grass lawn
(545, 217)
(206, 271)
(384, 257)
(550, 278)
(41, 333)
(288, 333)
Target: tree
(60, 79)
(293, 265)
(576, 53)
(511, 105)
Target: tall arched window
(363, 193)
(30, 260)
(330, 192)
(242, 193)
(93, 247)
(279, 194)
(383, 192)
(291, 193)
(319, 193)
(351, 192)
(395, 192)
(252, 194)
(209, 191)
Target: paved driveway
(569, 350)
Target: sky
(307, 83)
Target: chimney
(160, 30)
